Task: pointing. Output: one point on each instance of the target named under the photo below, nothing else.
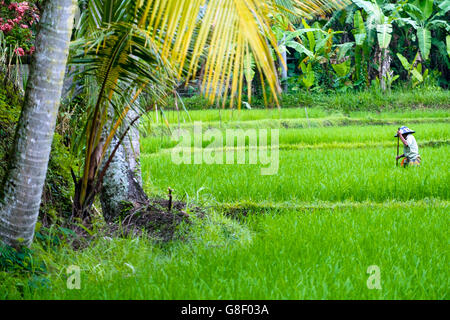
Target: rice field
(232, 115)
(336, 206)
(309, 175)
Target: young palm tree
(150, 45)
(22, 188)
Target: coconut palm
(22, 188)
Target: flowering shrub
(17, 23)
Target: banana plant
(280, 26)
(308, 76)
(380, 19)
(315, 46)
(362, 48)
(343, 70)
(390, 79)
(421, 18)
(414, 71)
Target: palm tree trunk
(122, 183)
(132, 145)
(121, 187)
(22, 188)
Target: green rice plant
(231, 115)
(307, 254)
(224, 116)
(322, 137)
(361, 134)
(309, 175)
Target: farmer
(410, 148)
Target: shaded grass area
(309, 254)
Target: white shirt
(412, 150)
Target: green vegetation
(361, 47)
(58, 186)
(330, 132)
(233, 116)
(335, 78)
(337, 205)
(331, 174)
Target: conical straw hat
(404, 130)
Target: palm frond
(226, 28)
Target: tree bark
(122, 183)
(120, 187)
(22, 188)
(132, 145)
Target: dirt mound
(154, 220)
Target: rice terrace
(211, 150)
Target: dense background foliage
(345, 51)
(342, 52)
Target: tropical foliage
(347, 74)
(359, 46)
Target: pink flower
(20, 52)
(6, 27)
(24, 26)
(12, 6)
(31, 51)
